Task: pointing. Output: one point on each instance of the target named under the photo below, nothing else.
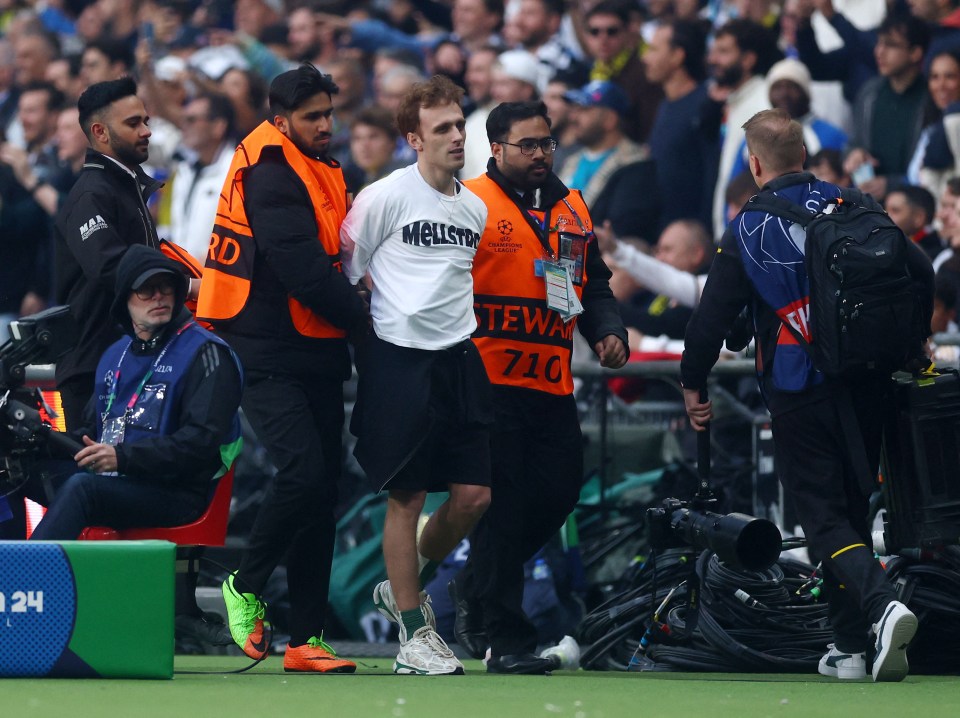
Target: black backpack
(865, 312)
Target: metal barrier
(650, 433)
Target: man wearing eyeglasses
(537, 275)
(162, 424)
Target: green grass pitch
(267, 692)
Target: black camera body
(742, 542)
(38, 339)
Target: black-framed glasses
(147, 291)
(529, 147)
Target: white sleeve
(362, 231)
(659, 277)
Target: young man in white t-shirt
(424, 401)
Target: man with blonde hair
(760, 264)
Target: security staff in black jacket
(104, 214)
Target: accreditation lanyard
(579, 221)
(541, 228)
(143, 382)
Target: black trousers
(299, 420)
(537, 462)
(117, 501)
(813, 462)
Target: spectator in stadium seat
(248, 93)
(307, 39)
(827, 165)
(477, 80)
(513, 78)
(853, 63)
(912, 209)
(537, 24)
(686, 157)
(250, 17)
(614, 173)
(64, 74)
(649, 315)
(373, 141)
(561, 115)
(352, 81)
(888, 112)
(741, 54)
(209, 139)
(8, 90)
(616, 55)
(475, 24)
(788, 87)
(936, 154)
(105, 59)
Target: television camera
(37, 339)
(740, 541)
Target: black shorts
(456, 449)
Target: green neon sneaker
(245, 616)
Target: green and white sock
(412, 620)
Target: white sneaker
(895, 630)
(426, 655)
(387, 605)
(566, 653)
(845, 666)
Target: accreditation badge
(573, 248)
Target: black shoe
(207, 627)
(468, 623)
(525, 664)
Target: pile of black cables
(931, 589)
(746, 621)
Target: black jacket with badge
(104, 214)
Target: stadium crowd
(646, 103)
(646, 100)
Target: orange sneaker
(317, 657)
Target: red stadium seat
(208, 530)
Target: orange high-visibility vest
(228, 270)
(521, 341)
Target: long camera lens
(740, 541)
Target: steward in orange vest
(272, 287)
(536, 230)
(524, 343)
(248, 282)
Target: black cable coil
(747, 621)
(763, 622)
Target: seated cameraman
(164, 412)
